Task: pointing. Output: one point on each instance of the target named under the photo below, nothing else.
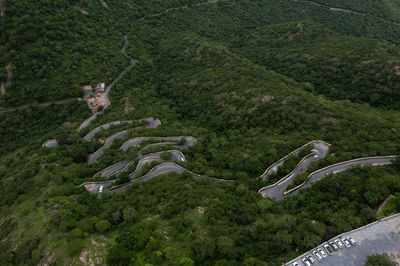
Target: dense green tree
(379, 259)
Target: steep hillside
(247, 82)
(387, 9)
(244, 118)
(358, 69)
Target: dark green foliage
(245, 78)
(379, 260)
(366, 72)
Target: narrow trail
(345, 10)
(107, 102)
(46, 104)
(383, 204)
(125, 44)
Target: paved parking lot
(379, 237)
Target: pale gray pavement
(107, 172)
(106, 99)
(126, 42)
(151, 157)
(91, 134)
(276, 192)
(189, 141)
(94, 156)
(321, 148)
(382, 236)
(153, 123)
(340, 167)
(51, 143)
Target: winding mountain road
(148, 158)
(91, 134)
(276, 190)
(341, 167)
(107, 92)
(153, 123)
(51, 143)
(320, 150)
(189, 141)
(162, 169)
(109, 171)
(109, 141)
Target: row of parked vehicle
(326, 250)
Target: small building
(101, 87)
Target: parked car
(295, 263)
(101, 189)
(328, 249)
(317, 255)
(339, 243)
(311, 259)
(323, 254)
(346, 242)
(351, 240)
(334, 245)
(306, 262)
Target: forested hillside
(358, 69)
(250, 81)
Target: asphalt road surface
(106, 99)
(340, 167)
(276, 192)
(189, 141)
(91, 134)
(320, 147)
(151, 157)
(153, 123)
(107, 172)
(51, 143)
(94, 156)
(379, 237)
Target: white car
(323, 254)
(295, 264)
(306, 262)
(334, 245)
(316, 156)
(317, 255)
(351, 240)
(182, 159)
(101, 189)
(339, 243)
(346, 243)
(311, 259)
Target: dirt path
(345, 10)
(125, 44)
(383, 204)
(182, 7)
(65, 101)
(9, 74)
